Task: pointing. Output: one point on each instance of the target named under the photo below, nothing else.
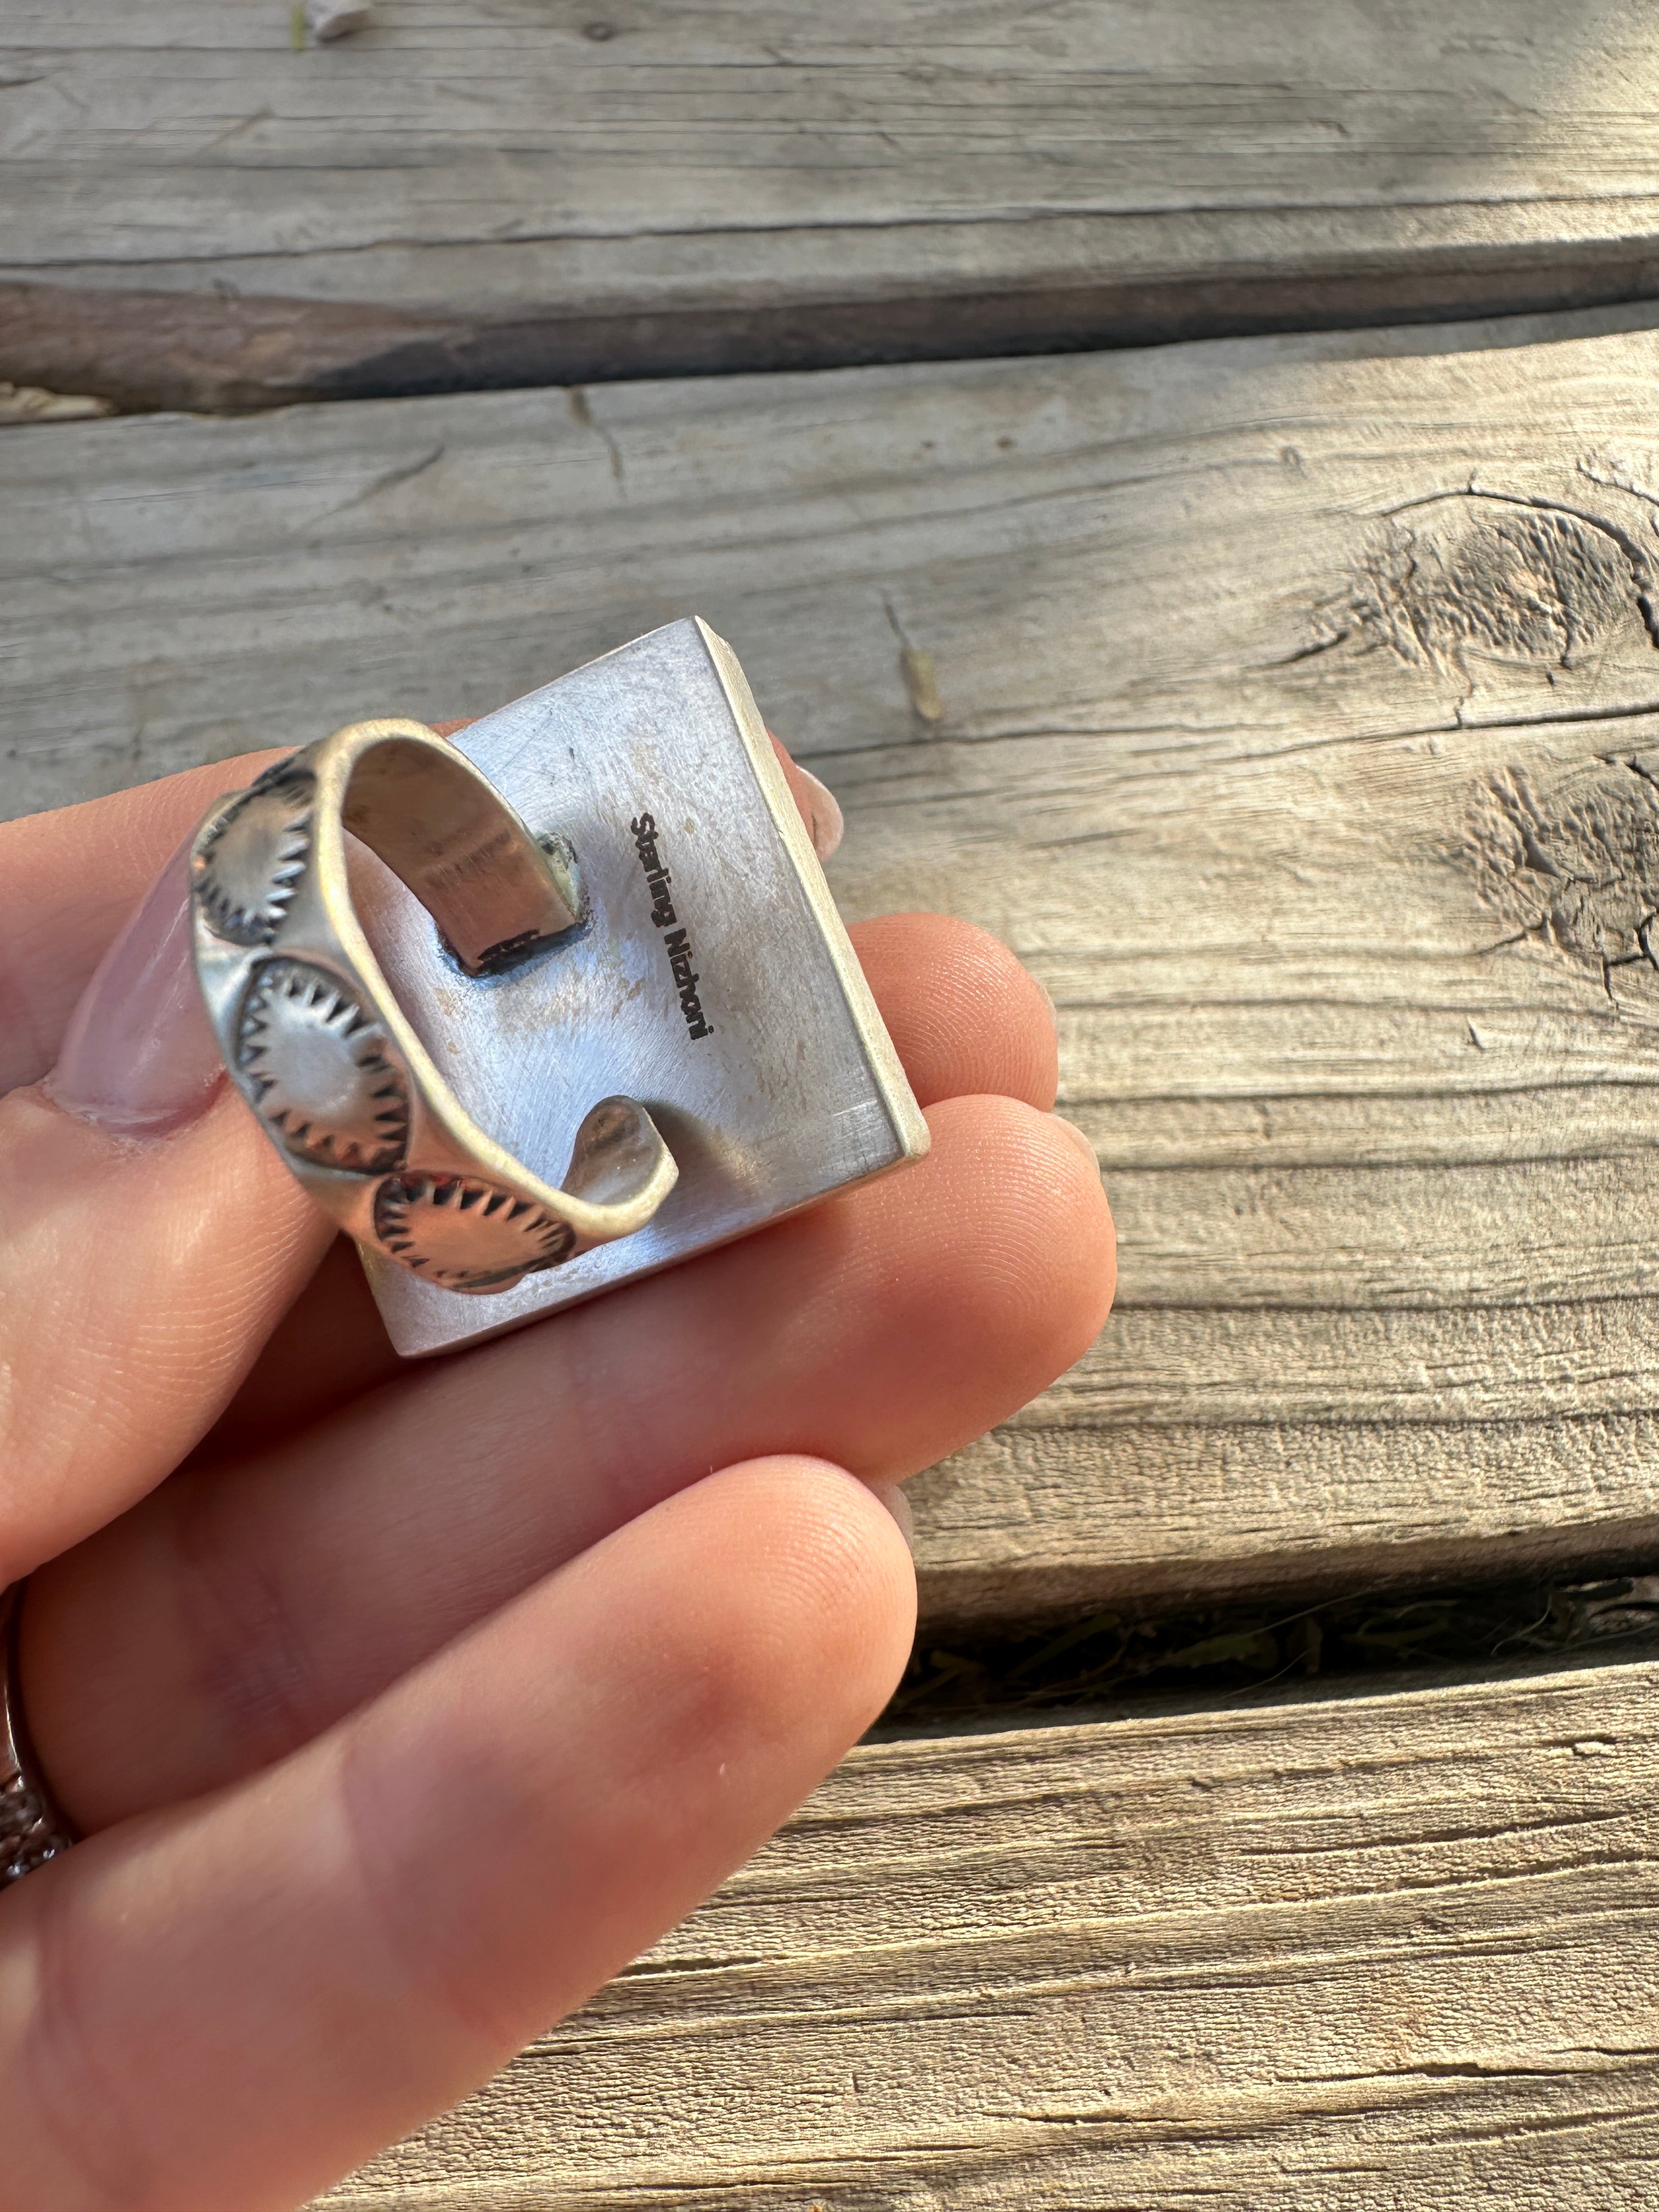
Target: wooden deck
(1290, 701)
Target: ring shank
(315, 1040)
(448, 834)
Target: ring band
(328, 1062)
(32, 1829)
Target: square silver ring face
(711, 979)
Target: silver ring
(32, 1829)
(323, 1053)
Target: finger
(239, 1611)
(966, 1019)
(224, 2009)
(964, 1016)
(152, 1239)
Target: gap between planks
(1363, 1953)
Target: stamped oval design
(319, 1072)
(465, 1232)
(245, 870)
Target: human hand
(400, 1706)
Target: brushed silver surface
(793, 1092)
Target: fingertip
(892, 1497)
(829, 1590)
(642, 1719)
(1035, 1261)
(1070, 1246)
(966, 1017)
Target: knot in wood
(1502, 578)
(1575, 864)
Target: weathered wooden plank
(1287, 704)
(1368, 1953)
(494, 192)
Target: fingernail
(892, 1495)
(139, 1057)
(817, 802)
(1078, 1139)
(827, 822)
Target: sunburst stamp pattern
(328, 1062)
(246, 871)
(465, 1232)
(320, 1071)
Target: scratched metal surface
(794, 1092)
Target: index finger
(225, 2007)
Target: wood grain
(1292, 706)
(1364, 1954)
(499, 192)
